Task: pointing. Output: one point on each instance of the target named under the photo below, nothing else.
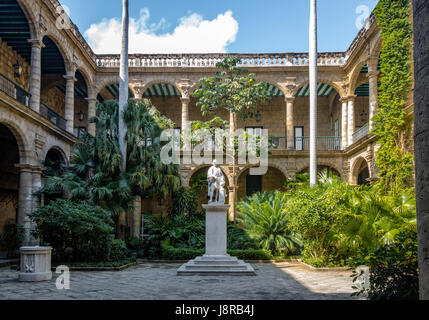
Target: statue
(216, 181)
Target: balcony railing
(19, 94)
(210, 60)
(303, 143)
(52, 116)
(14, 90)
(360, 133)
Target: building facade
(51, 80)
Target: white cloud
(193, 34)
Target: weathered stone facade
(339, 113)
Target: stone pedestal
(35, 264)
(216, 261)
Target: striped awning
(363, 90)
(274, 91)
(162, 90)
(323, 90)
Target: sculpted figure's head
(215, 163)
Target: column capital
(38, 43)
(29, 168)
(351, 97)
(91, 99)
(373, 74)
(69, 77)
(185, 100)
(344, 99)
(290, 99)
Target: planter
(35, 264)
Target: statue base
(216, 261)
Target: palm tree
(123, 83)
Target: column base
(210, 265)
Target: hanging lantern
(17, 69)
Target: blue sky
(218, 26)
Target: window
(299, 140)
(255, 131)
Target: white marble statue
(216, 181)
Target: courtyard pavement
(158, 281)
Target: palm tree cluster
(95, 174)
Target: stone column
(37, 185)
(25, 199)
(69, 112)
(344, 120)
(185, 121)
(290, 123)
(35, 73)
(91, 113)
(421, 137)
(351, 119)
(137, 217)
(373, 88)
(231, 201)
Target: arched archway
(360, 172)
(111, 92)
(247, 184)
(9, 177)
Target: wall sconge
(80, 116)
(364, 116)
(17, 69)
(258, 116)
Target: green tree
(233, 89)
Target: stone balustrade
(210, 60)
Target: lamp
(80, 116)
(17, 69)
(364, 116)
(258, 116)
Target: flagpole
(123, 84)
(313, 91)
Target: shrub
(117, 250)
(76, 231)
(11, 238)
(393, 269)
(264, 218)
(185, 202)
(251, 254)
(239, 239)
(316, 213)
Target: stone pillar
(290, 123)
(344, 120)
(137, 217)
(421, 137)
(69, 112)
(91, 113)
(37, 185)
(185, 122)
(351, 119)
(231, 200)
(35, 73)
(25, 199)
(373, 88)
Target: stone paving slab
(158, 281)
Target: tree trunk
(313, 91)
(421, 138)
(123, 84)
